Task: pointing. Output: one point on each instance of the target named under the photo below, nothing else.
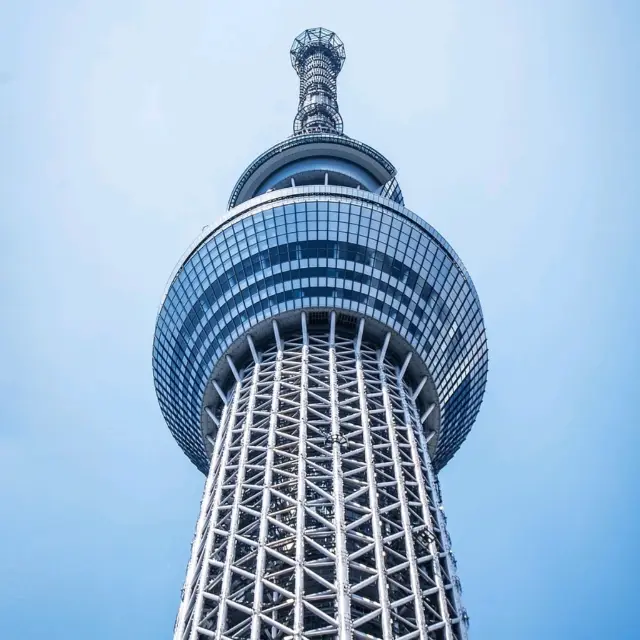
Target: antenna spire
(317, 55)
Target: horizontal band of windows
(241, 319)
(255, 264)
(348, 275)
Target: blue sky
(123, 127)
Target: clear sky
(123, 127)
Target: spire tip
(317, 55)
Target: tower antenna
(317, 55)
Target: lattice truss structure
(321, 515)
(317, 55)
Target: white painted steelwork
(320, 354)
(320, 516)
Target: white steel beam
(431, 479)
(342, 558)
(385, 612)
(232, 366)
(204, 571)
(404, 509)
(235, 511)
(276, 333)
(424, 501)
(221, 393)
(385, 345)
(298, 621)
(252, 347)
(205, 506)
(212, 416)
(427, 412)
(266, 492)
(419, 388)
(405, 365)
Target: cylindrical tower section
(319, 517)
(317, 55)
(318, 354)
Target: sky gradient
(123, 127)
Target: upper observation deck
(317, 159)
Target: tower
(320, 355)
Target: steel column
(298, 624)
(424, 500)
(385, 607)
(201, 529)
(431, 478)
(246, 439)
(342, 558)
(266, 492)
(402, 496)
(204, 575)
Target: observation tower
(319, 356)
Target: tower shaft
(321, 515)
(320, 355)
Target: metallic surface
(320, 355)
(317, 55)
(321, 517)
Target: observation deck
(320, 248)
(318, 223)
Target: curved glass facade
(331, 248)
(313, 170)
(312, 145)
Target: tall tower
(320, 355)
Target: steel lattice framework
(320, 355)
(317, 55)
(320, 516)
